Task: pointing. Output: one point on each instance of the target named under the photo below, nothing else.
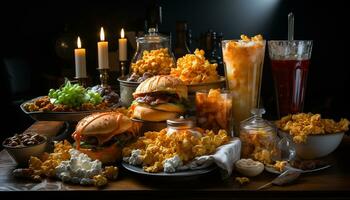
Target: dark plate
(59, 116)
(188, 173)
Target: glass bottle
(208, 43)
(181, 48)
(216, 53)
(189, 40)
(258, 137)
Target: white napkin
(224, 157)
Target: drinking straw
(290, 26)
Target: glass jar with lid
(153, 55)
(181, 124)
(259, 138)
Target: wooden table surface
(329, 183)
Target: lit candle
(102, 51)
(80, 61)
(122, 47)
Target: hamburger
(102, 135)
(159, 98)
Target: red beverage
(290, 78)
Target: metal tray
(188, 173)
(59, 116)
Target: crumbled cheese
(171, 164)
(135, 157)
(79, 169)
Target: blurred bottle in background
(181, 47)
(189, 39)
(215, 55)
(208, 43)
(154, 16)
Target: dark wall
(324, 22)
(34, 33)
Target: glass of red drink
(290, 65)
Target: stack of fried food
(156, 147)
(303, 124)
(194, 68)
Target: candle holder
(104, 77)
(82, 81)
(123, 68)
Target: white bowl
(316, 146)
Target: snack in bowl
(160, 151)
(249, 167)
(302, 125)
(102, 135)
(194, 68)
(312, 136)
(22, 146)
(159, 98)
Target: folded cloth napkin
(224, 157)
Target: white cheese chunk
(135, 157)
(79, 169)
(171, 164)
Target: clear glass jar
(214, 110)
(153, 54)
(176, 125)
(259, 138)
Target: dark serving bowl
(60, 116)
(22, 154)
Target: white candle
(102, 51)
(122, 47)
(80, 61)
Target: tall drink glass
(290, 65)
(243, 61)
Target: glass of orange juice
(243, 61)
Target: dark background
(37, 43)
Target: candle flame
(102, 34)
(122, 34)
(79, 42)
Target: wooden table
(330, 183)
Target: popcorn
(110, 172)
(158, 149)
(100, 180)
(156, 62)
(79, 166)
(135, 157)
(303, 124)
(242, 180)
(280, 165)
(258, 145)
(194, 68)
(69, 165)
(47, 164)
(171, 164)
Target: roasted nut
(24, 139)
